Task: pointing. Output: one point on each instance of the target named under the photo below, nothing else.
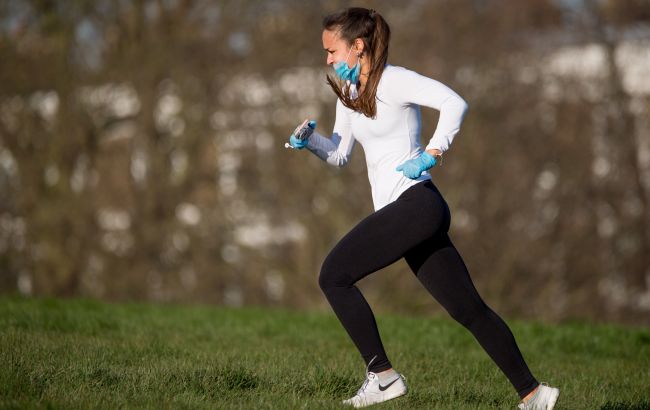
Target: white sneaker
(372, 392)
(543, 399)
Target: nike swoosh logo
(383, 388)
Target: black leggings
(415, 227)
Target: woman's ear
(358, 45)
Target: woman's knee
(331, 275)
(467, 314)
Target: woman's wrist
(437, 154)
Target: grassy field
(67, 354)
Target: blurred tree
(141, 152)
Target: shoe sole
(386, 398)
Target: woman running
(379, 106)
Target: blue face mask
(346, 73)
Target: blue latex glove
(300, 137)
(296, 143)
(413, 168)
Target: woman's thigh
(386, 235)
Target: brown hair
(372, 29)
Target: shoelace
(365, 382)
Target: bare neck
(363, 76)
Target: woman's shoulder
(397, 76)
(396, 71)
(390, 71)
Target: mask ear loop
(348, 56)
(359, 55)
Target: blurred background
(141, 152)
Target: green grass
(67, 354)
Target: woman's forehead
(332, 39)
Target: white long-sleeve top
(393, 137)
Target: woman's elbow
(462, 104)
(460, 107)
